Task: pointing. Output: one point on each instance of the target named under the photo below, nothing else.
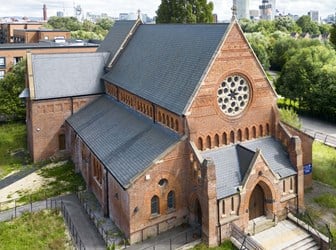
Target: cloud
(114, 7)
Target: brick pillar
(105, 192)
(209, 203)
(295, 153)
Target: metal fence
(246, 241)
(322, 137)
(72, 229)
(18, 210)
(176, 241)
(109, 239)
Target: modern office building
(243, 7)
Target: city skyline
(33, 8)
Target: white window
(2, 74)
(2, 62)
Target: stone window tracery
(233, 95)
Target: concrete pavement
(285, 235)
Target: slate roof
(64, 75)
(164, 63)
(116, 36)
(125, 141)
(232, 162)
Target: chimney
(45, 12)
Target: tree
(184, 11)
(308, 26)
(286, 24)
(64, 23)
(260, 44)
(333, 35)
(309, 77)
(10, 88)
(289, 116)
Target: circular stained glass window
(233, 95)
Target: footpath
(80, 221)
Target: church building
(170, 124)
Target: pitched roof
(232, 162)
(64, 75)
(125, 141)
(116, 36)
(164, 63)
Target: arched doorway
(257, 203)
(198, 213)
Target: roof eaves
(206, 71)
(30, 76)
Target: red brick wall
(47, 122)
(205, 117)
(173, 168)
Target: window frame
(155, 205)
(2, 59)
(171, 201)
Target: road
(320, 130)
(318, 125)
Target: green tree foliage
(260, 45)
(64, 23)
(286, 24)
(308, 26)
(10, 88)
(289, 116)
(184, 11)
(279, 54)
(333, 35)
(81, 30)
(309, 76)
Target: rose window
(233, 95)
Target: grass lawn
(324, 164)
(41, 230)
(226, 245)
(13, 146)
(61, 179)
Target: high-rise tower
(265, 10)
(243, 8)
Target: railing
(176, 241)
(309, 226)
(73, 231)
(108, 238)
(332, 243)
(245, 240)
(322, 137)
(17, 211)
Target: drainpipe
(107, 194)
(219, 224)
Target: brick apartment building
(36, 35)
(7, 29)
(170, 124)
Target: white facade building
(243, 7)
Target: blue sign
(308, 169)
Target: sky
(33, 8)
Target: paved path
(86, 231)
(17, 176)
